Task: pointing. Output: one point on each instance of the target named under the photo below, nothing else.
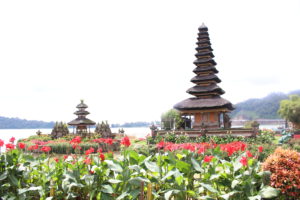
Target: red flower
(89, 151)
(244, 161)
(160, 145)
(10, 146)
(249, 154)
(102, 156)
(260, 149)
(87, 161)
(65, 157)
(56, 159)
(208, 158)
(1, 143)
(100, 150)
(76, 140)
(46, 149)
(21, 145)
(201, 150)
(109, 141)
(125, 141)
(33, 147)
(92, 172)
(12, 139)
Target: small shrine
(82, 123)
(207, 109)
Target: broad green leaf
(114, 166)
(228, 195)
(122, 196)
(137, 180)
(257, 197)
(170, 173)
(209, 187)
(152, 166)
(181, 165)
(268, 192)
(179, 179)
(196, 165)
(21, 191)
(3, 176)
(234, 183)
(107, 189)
(168, 194)
(214, 176)
(114, 181)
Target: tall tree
(290, 110)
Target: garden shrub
(284, 164)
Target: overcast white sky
(132, 60)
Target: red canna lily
(21, 145)
(1, 143)
(10, 146)
(244, 161)
(46, 149)
(208, 158)
(125, 141)
(12, 139)
(102, 156)
(260, 149)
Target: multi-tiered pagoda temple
(206, 109)
(81, 122)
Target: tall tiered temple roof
(206, 91)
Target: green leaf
(168, 194)
(114, 181)
(209, 187)
(21, 191)
(170, 173)
(196, 165)
(3, 176)
(181, 165)
(107, 189)
(137, 180)
(234, 183)
(268, 192)
(228, 195)
(124, 194)
(257, 197)
(152, 166)
(114, 166)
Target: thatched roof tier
(81, 105)
(83, 121)
(198, 90)
(81, 112)
(202, 48)
(205, 69)
(203, 104)
(204, 61)
(205, 53)
(203, 27)
(198, 79)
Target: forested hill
(16, 123)
(264, 108)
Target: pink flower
(244, 161)
(46, 149)
(10, 146)
(125, 141)
(99, 150)
(208, 158)
(56, 159)
(21, 145)
(12, 139)
(260, 149)
(201, 150)
(1, 143)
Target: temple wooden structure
(81, 123)
(207, 108)
(206, 113)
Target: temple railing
(251, 132)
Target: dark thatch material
(207, 48)
(81, 112)
(203, 104)
(81, 105)
(198, 79)
(205, 53)
(203, 27)
(204, 60)
(205, 89)
(79, 121)
(205, 69)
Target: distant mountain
(17, 123)
(264, 108)
(132, 124)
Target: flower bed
(175, 171)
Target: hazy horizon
(133, 60)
